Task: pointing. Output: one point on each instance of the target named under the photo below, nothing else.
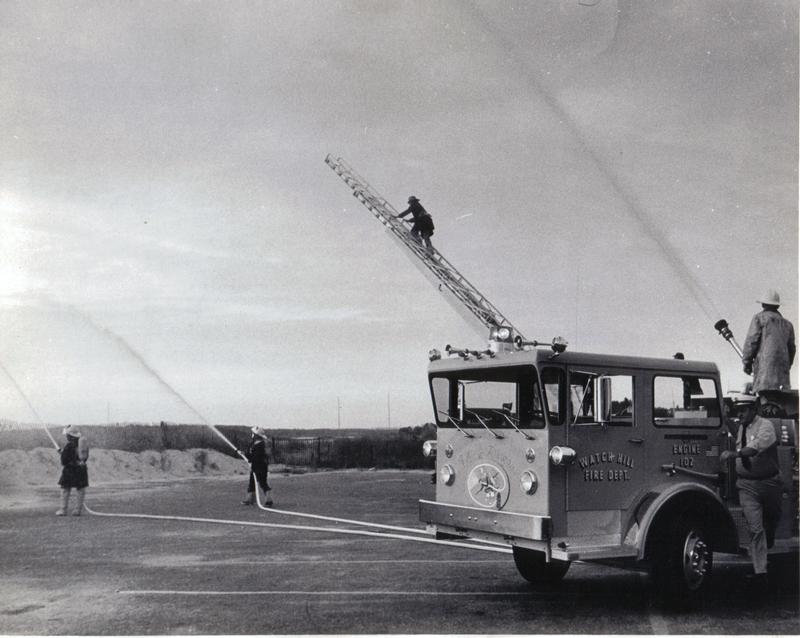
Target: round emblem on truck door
(487, 485)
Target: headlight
(429, 449)
(448, 474)
(562, 455)
(528, 482)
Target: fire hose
(309, 528)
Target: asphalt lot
(119, 576)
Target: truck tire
(533, 567)
(682, 559)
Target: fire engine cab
(569, 456)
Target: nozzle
(722, 327)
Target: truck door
(609, 463)
(686, 428)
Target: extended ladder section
(434, 262)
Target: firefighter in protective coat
(423, 223)
(259, 467)
(74, 473)
(769, 347)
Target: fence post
(164, 437)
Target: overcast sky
(174, 247)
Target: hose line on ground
(308, 528)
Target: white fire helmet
(70, 431)
(771, 298)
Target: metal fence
(350, 452)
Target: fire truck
(567, 456)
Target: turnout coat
(74, 472)
(770, 348)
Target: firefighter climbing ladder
(443, 271)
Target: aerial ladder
(460, 292)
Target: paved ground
(101, 576)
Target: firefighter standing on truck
(769, 348)
(758, 481)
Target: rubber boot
(79, 505)
(64, 503)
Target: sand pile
(42, 466)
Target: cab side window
(553, 386)
(600, 399)
(688, 401)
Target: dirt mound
(42, 466)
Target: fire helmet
(771, 298)
(70, 431)
(743, 398)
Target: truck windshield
(499, 398)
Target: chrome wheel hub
(696, 559)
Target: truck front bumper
(508, 525)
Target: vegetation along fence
(356, 449)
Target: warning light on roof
(501, 333)
(559, 344)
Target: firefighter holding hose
(259, 466)
(769, 348)
(74, 473)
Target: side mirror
(602, 399)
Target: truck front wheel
(534, 568)
(682, 559)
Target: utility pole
(388, 411)
(338, 413)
